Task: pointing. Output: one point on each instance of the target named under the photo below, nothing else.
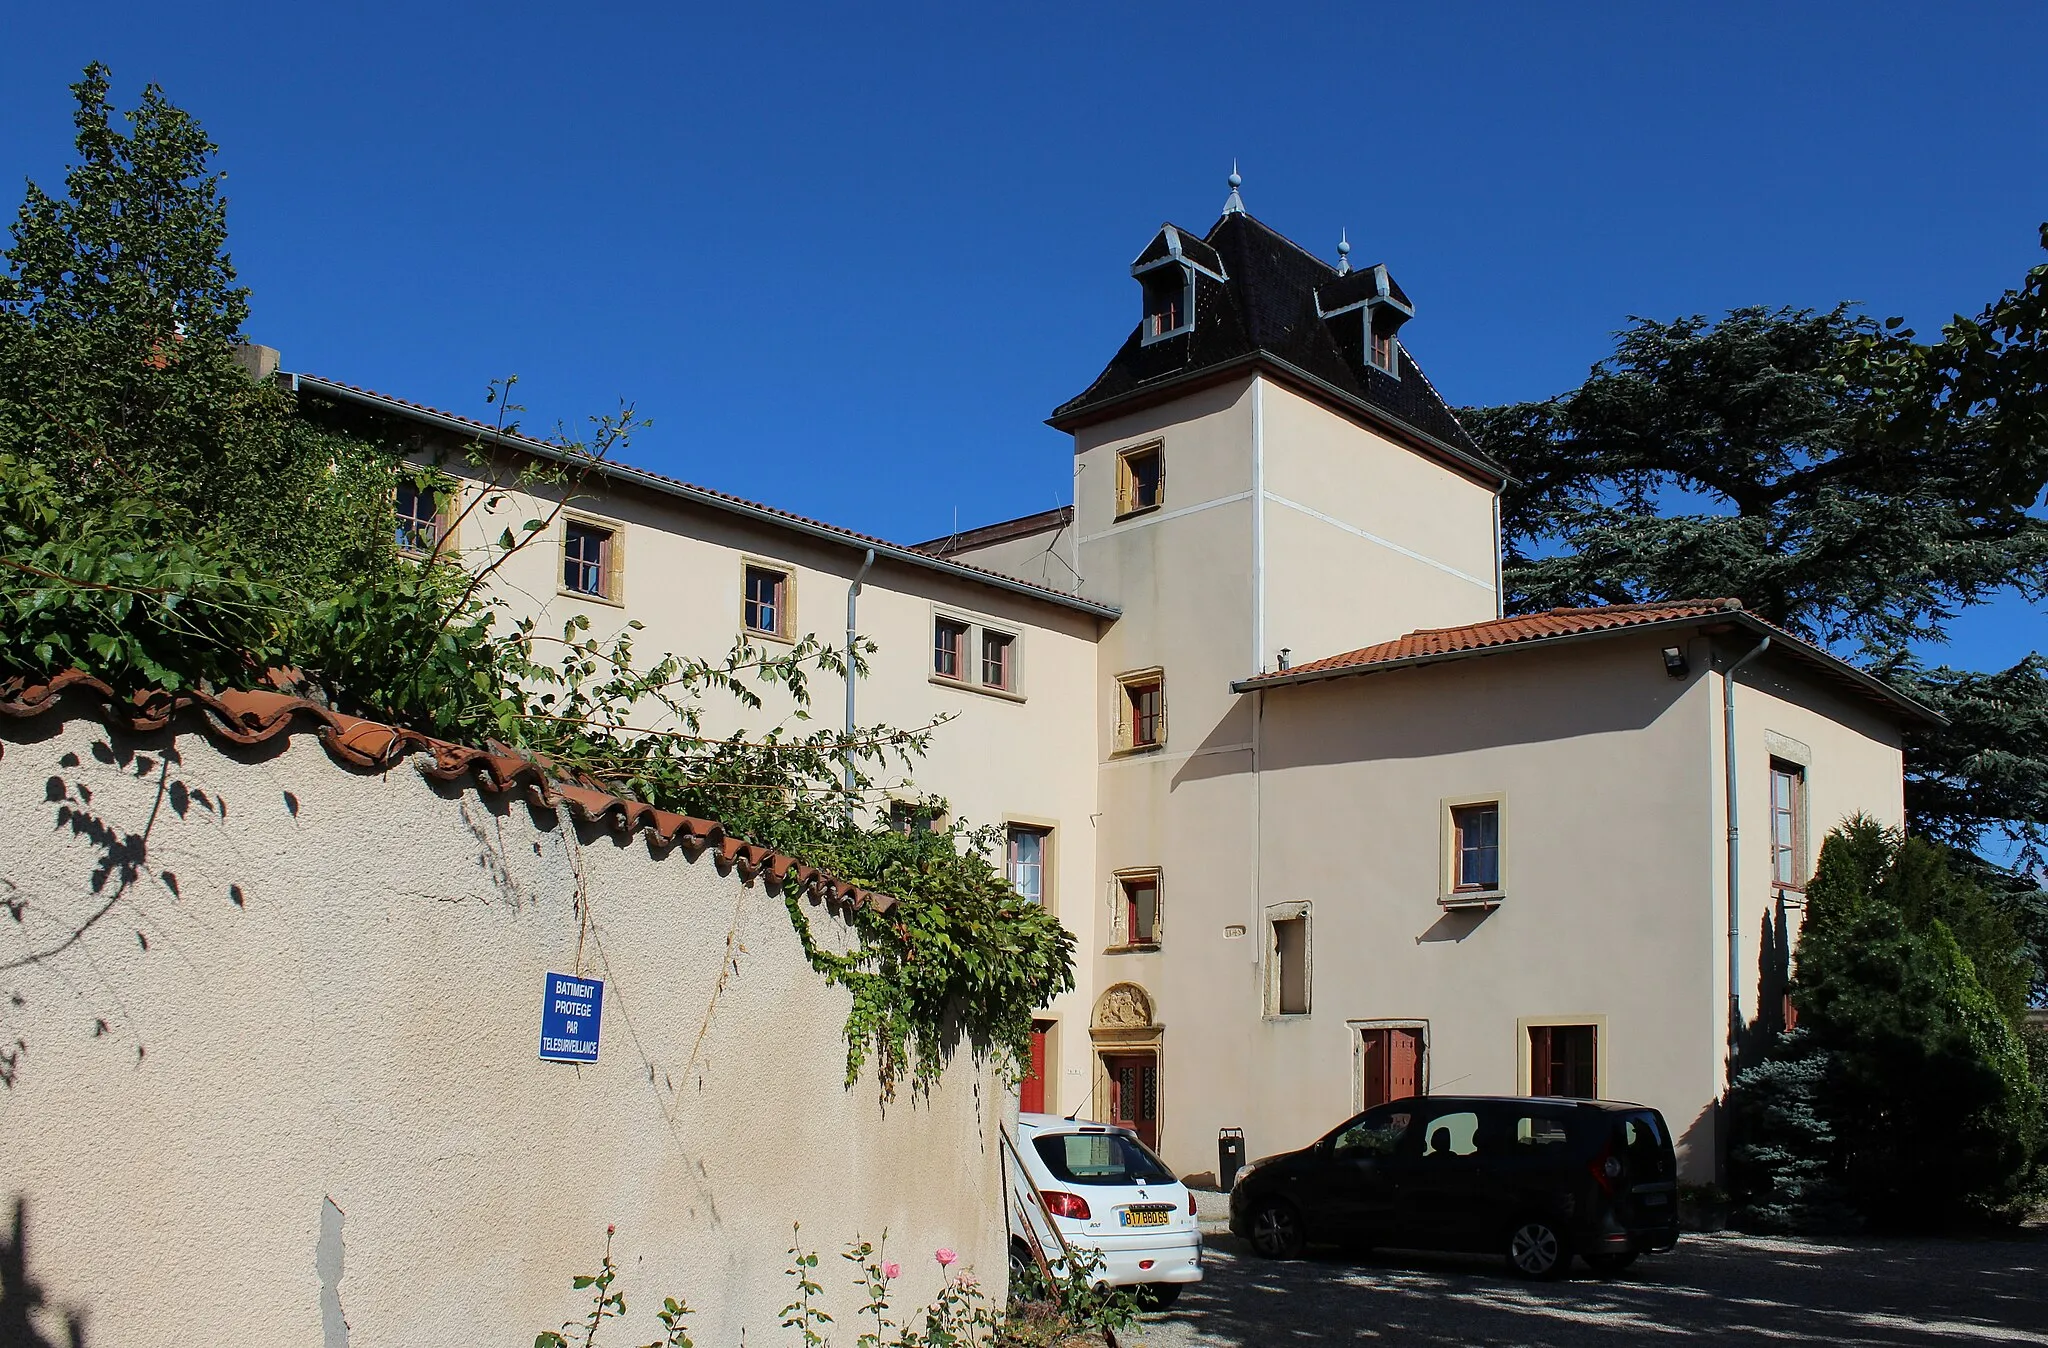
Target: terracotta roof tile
(1557, 622)
(257, 716)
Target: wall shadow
(21, 1297)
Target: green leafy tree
(1845, 481)
(168, 521)
(157, 504)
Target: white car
(1105, 1191)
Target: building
(1328, 827)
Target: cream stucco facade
(1227, 520)
(1251, 842)
(276, 1063)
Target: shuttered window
(1564, 1060)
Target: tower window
(1141, 715)
(1169, 302)
(1383, 351)
(1140, 479)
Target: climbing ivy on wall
(167, 521)
(958, 954)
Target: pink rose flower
(944, 1256)
(892, 1270)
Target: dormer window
(1382, 351)
(1169, 298)
(1166, 271)
(1365, 311)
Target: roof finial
(1235, 205)
(1343, 252)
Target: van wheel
(1277, 1231)
(1537, 1249)
(1158, 1296)
(1607, 1265)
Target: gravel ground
(1739, 1289)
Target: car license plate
(1656, 1200)
(1147, 1216)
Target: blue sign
(570, 1011)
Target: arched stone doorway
(1128, 1061)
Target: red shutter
(1374, 1068)
(1031, 1095)
(1539, 1060)
(1404, 1064)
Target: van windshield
(1100, 1158)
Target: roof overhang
(1477, 467)
(683, 491)
(1782, 642)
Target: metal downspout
(852, 602)
(1734, 854)
(1500, 598)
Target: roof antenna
(1343, 253)
(1235, 205)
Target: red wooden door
(1391, 1064)
(1134, 1094)
(1031, 1095)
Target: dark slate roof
(1266, 313)
(1191, 248)
(1359, 287)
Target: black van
(1538, 1180)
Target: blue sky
(847, 258)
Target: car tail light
(1605, 1169)
(1071, 1206)
(1191, 1202)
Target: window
(1563, 1060)
(1141, 711)
(1383, 351)
(590, 560)
(1026, 861)
(1533, 1132)
(422, 516)
(1788, 792)
(1167, 295)
(1287, 956)
(1106, 1158)
(767, 601)
(1475, 848)
(1140, 479)
(949, 648)
(998, 659)
(1452, 1133)
(1136, 921)
(967, 654)
(1377, 1134)
(916, 816)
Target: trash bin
(1229, 1156)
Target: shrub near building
(1906, 1096)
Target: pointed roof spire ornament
(1343, 252)
(1235, 205)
